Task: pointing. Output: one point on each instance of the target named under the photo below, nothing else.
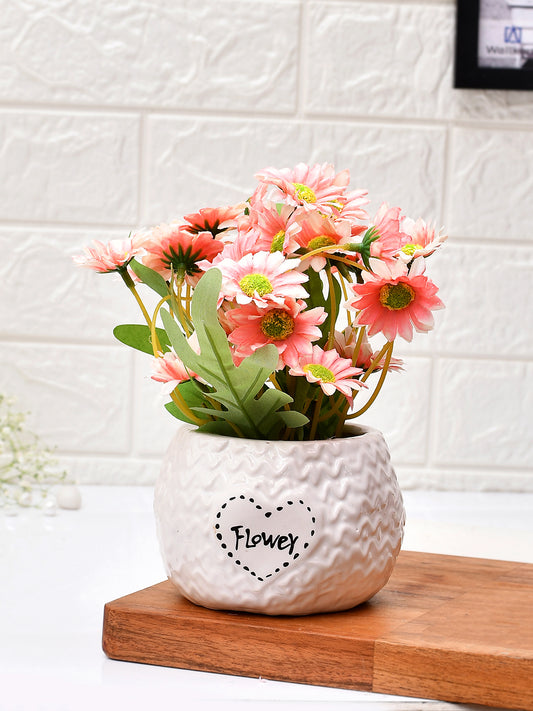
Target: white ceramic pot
(280, 528)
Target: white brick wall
(116, 115)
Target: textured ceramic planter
(281, 528)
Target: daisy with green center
(275, 230)
(422, 238)
(171, 248)
(288, 327)
(318, 231)
(331, 372)
(310, 188)
(393, 299)
(263, 278)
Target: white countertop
(57, 572)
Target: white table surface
(57, 572)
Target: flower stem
(179, 401)
(333, 302)
(357, 347)
(156, 346)
(316, 415)
(328, 250)
(182, 314)
(388, 350)
(131, 286)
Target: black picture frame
(467, 72)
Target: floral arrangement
(28, 470)
(266, 309)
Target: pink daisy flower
(275, 231)
(107, 257)
(213, 219)
(330, 371)
(423, 240)
(244, 243)
(318, 231)
(172, 248)
(315, 187)
(393, 299)
(351, 208)
(263, 278)
(169, 369)
(345, 342)
(387, 221)
(288, 327)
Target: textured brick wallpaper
(120, 114)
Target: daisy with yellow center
(317, 232)
(274, 228)
(306, 187)
(288, 327)
(331, 372)
(394, 299)
(423, 240)
(264, 278)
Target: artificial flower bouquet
(266, 309)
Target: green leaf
(151, 278)
(138, 336)
(237, 388)
(218, 427)
(316, 292)
(193, 396)
(291, 418)
(177, 413)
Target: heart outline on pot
(254, 538)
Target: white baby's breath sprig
(28, 469)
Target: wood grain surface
(445, 627)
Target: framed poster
(494, 44)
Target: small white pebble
(68, 497)
(49, 507)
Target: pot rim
(352, 431)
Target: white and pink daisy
(351, 208)
(291, 329)
(423, 240)
(315, 187)
(393, 299)
(107, 257)
(263, 278)
(346, 342)
(169, 369)
(330, 371)
(170, 247)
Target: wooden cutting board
(444, 627)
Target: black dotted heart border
(267, 514)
